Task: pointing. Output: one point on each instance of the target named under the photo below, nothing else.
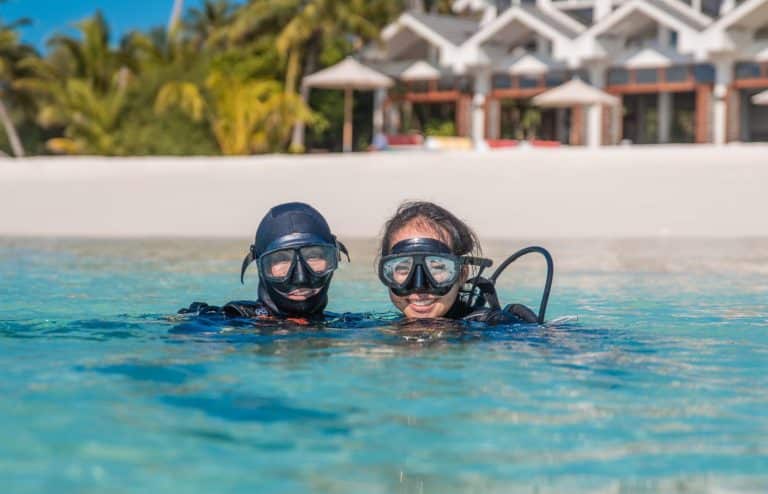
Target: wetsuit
(263, 309)
(486, 308)
(283, 236)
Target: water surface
(660, 386)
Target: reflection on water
(659, 386)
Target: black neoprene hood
(290, 225)
(286, 226)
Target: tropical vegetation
(221, 78)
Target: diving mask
(423, 265)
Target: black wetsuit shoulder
(236, 309)
(511, 314)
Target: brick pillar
(577, 125)
(463, 107)
(618, 120)
(607, 135)
(733, 109)
(703, 111)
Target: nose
(419, 281)
(299, 275)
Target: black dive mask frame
(299, 265)
(300, 275)
(420, 279)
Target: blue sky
(52, 16)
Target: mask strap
(246, 262)
(342, 248)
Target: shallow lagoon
(661, 384)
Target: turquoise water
(660, 386)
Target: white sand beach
(657, 191)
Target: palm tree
(312, 30)
(245, 116)
(173, 22)
(11, 53)
(82, 88)
(203, 23)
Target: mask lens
(397, 269)
(321, 259)
(444, 270)
(277, 265)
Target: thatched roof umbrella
(578, 93)
(574, 93)
(760, 98)
(420, 71)
(348, 75)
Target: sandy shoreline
(672, 191)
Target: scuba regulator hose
(550, 271)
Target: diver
(426, 258)
(296, 255)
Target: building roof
(417, 69)
(651, 57)
(761, 53)
(681, 11)
(749, 11)
(454, 29)
(559, 20)
(348, 73)
(661, 11)
(760, 98)
(390, 68)
(420, 71)
(471, 5)
(574, 93)
(528, 64)
(532, 17)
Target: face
(423, 305)
(316, 258)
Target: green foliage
(15, 106)
(223, 81)
(440, 128)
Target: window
(617, 77)
(677, 74)
(747, 70)
(556, 78)
(501, 81)
(704, 73)
(529, 82)
(711, 7)
(646, 76)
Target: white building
(685, 70)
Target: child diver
(296, 255)
(425, 258)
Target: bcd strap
(486, 290)
(522, 312)
(342, 248)
(246, 262)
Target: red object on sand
(405, 140)
(502, 143)
(511, 143)
(538, 143)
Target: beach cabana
(348, 75)
(760, 98)
(420, 71)
(577, 93)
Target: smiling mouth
(301, 293)
(422, 305)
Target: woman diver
(425, 259)
(296, 254)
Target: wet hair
(454, 232)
